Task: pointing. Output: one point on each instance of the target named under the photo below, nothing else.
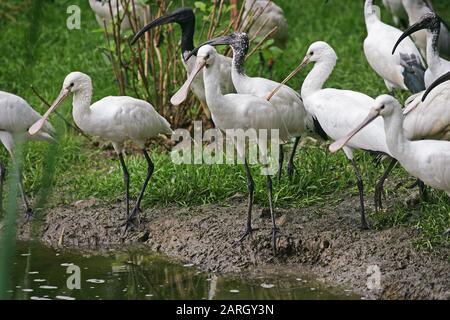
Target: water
(41, 273)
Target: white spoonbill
(185, 18)
(102, 12)
(338, 110)
(426, 160)
(396, 8)
(437, 66)
(416, 9)
(16, 117)
(261, 17)
(234, 111)
(404, 69)
(295, 120)
(116, 119)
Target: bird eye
(382, 107)
(311, 53)
(72, 84)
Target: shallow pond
(41, 273)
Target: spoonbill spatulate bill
(16, 117)
(416, 9)
(185, 18)
(403, 70)
(338, 110)
(437, 66)
(294, 118)
(235, 111)
(426, 160)
(115, 119)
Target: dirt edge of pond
(324, 241)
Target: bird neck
(395, 136)
(187, 35)
(370, 15)
(433, 59)
(238, 65)
(213, 93)
(82, 106)
(317, 77)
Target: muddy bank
(324, 241)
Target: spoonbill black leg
(272, 214)
(126, 179)
(380, 185)
(291, 167)
(2, 180)
(361, 195)
(134, 217)
(251, 188)
(280, 162)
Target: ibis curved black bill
(414, 28)
(181, 15)
(440, 80)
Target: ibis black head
(430, 21)
(237, 40)
(184, 17)
(442, 79)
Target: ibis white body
(16, 117)
(378, 46)
(429, 119)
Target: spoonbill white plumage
(426, 160)
(16, 117)
(260, 18)
(235, 111)
(416, 9)
(294, 118)
(404, 69)
(338, 110)
(103, 11)
(396, 8)
(437, 66)
(185, 18)
(116, 119)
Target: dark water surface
(41, 273)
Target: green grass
(43, 52)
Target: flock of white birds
(416, 136)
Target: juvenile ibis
(294, 118)
(404, 69)
(235, 111)
(185, 18)
(116, 119)
(416, 9)
(16, 117)
(437, 66)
